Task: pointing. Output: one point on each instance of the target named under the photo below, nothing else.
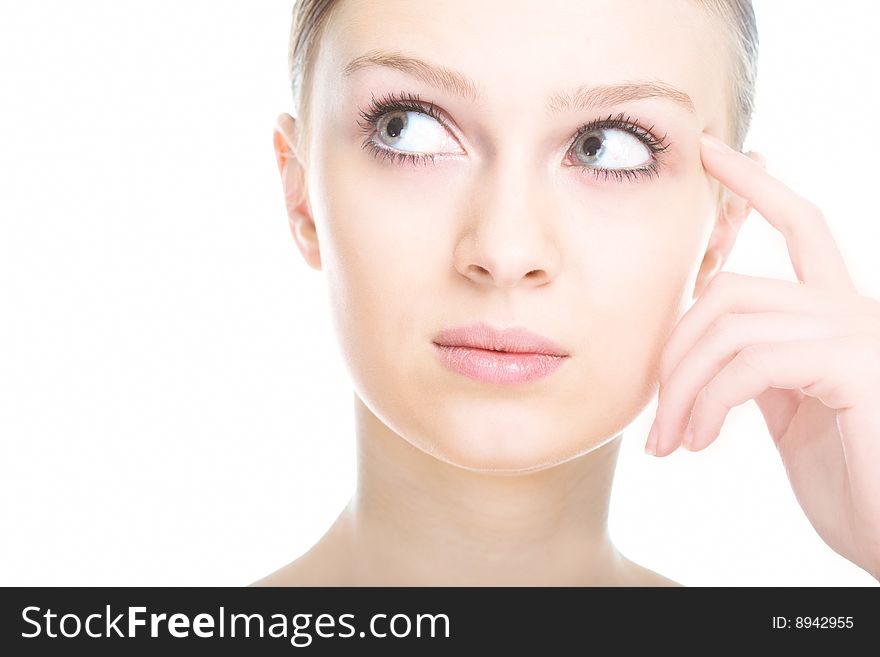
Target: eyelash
(412, 103)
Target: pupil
(395, 126)
(592, 145)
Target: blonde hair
(741, 36)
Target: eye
(402, 127)
(611, 148)
(414, 132)
(618, 147)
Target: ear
(299, 214)
(733, 211)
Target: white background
(174, 409)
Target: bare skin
(462, 482)
(416, 521)
(325, 564)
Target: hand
(807, 352)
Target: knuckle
(724, 331)
(724, 324)
(752, 355)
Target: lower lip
(498, 366)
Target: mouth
(510, 356)
(483, 336)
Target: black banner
(429, 621)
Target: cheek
(631, 265)
(630, 240)
(381, 258)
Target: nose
(510, 240)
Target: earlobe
(299, 216)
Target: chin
(503, 438)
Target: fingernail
(650, 445)
(716, 144)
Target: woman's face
(511, 225)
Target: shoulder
(326, 563)
(636, 575)
(305, 571)
(320, 566)
(289, 575)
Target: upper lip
(484, 336)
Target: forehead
(533, 50)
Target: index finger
(814, 253)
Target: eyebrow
(584, 97)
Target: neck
(416, 520)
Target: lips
(512, 340)
(489, 355)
